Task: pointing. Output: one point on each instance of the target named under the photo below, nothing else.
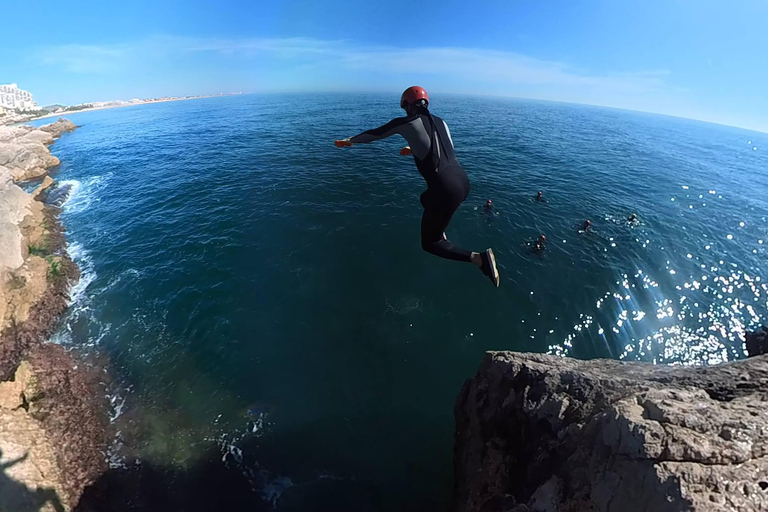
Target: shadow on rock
(17, 497)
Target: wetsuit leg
(433, 225)
(449, 189)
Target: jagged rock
(10, 133)
(14, 206)
(23, 149)
(38, 136)
(12, 392)
(63, 394)
(757, 342)
(47, 182)
(52, 431)
(562, 435)
(26, 160)
(30, 478)
(60, 126)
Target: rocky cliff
(542, 433)
(51, 428)
(23, 151)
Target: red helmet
(412, 95)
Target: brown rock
(26, 160)
(11, 392)
(52, 426)
(60, 126)
(30, 478)
(11, 133)
(14, 208)
(65, 396)
(47, 182)
(37, 136)
(562, 435)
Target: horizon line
(449, 93)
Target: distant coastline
(120, 104)
(10, 117)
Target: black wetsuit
(447, 183)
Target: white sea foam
(83, 194)
(116, 404)
(74, 192)
(79, 197)
(73, 187)
(87, 272)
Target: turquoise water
(266, 305)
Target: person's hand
(342, 143)
(406, 151)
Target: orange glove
(343, 142)
(406, 151)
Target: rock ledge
(543, 433)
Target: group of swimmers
(431, 145)
(539, 243)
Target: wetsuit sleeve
(382, 132)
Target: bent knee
(429, 245)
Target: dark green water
(267, 306)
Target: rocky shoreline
(52, 421)
(538, 433)
(534, 433)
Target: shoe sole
(494, 270)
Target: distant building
(13, 98)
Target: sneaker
(489, 267)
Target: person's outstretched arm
(382, 132)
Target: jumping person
(429, 141)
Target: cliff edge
(543, 433)
(52, 437)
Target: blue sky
(705, 59)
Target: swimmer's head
(587, 223)
(633, 216)
(542, 239)
(488, 203)
(539, 194)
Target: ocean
(268, 312)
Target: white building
(11, 97)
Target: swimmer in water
(488, 210)
(587, 225)
(538, 245)
(540, 197)
(632, 219)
